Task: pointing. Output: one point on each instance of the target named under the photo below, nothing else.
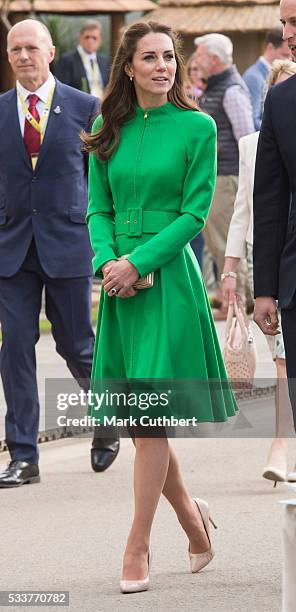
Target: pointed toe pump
(275, 474)
(199, 560)
(136, 586)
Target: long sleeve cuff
(99, 260)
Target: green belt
(136, 221)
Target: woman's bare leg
(186, 510)
(150, 471)
(157, 471)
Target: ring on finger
(113, 291)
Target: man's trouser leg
(288, 318)
(68, 307)
(20, 303)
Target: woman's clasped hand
(119, 275)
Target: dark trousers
(197, 245)
(68, 308)
(288, 316)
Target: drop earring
(131, 77)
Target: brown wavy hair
(120, 100)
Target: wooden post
(3, 59)
(7, 80)
(117, 23)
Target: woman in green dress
(151, 182)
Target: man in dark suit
(275, 209)
(44, 241)
(85, 68)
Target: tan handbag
(239, 352)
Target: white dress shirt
(94, 76)
(42, 93)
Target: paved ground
(68, 532)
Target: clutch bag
(145, 282)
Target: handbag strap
(230, 315)
(242, 318)
(237, 310)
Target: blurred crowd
(236, 103)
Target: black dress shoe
(101, 458)
(18, 473)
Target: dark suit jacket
(275, 197)
(70, 70)
(50, 202)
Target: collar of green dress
(156, 111)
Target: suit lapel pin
(57, 110)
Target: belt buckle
(135, 221)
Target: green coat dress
(149, 200)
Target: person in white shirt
(240, 240)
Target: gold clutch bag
(146, 282)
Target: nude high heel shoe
(136, 586)
(199, 560)
(275, 474)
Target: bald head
(30, 26)
(30, 51)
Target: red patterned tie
(32, 138)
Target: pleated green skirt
(163, 340)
